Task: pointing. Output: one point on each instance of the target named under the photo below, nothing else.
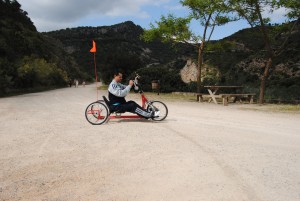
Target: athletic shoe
(155, 114)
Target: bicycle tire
(96, 113)
(161, 107)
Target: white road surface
(201, 152)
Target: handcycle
(100, 111)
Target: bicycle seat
(107, 103)
(109, 106)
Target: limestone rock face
(189, 72)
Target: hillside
(118, 47)
(32, 60)
(29, 60)
(237, 59)
(240, 59)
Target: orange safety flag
(94, 47)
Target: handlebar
(137, 76)
(137, 87)
(136, 79)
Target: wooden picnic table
(212, 90)
(212, 94)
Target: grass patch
(284, 108)
(170, 97)
(103, 87)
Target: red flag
(94, 47)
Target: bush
(169, 79)
(36, 72)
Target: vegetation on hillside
(209, 14)
(28, 59)
(118, 47)
(214, 13)
(240, 59)
(254, 12)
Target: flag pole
(94, 50)
(96, 75)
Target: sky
(50, 15)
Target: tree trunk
(263, 81)
(200, 55)
(270, 53)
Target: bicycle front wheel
(96, 113)
(160, 107)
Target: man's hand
(130, 82)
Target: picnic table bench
(212, 90)
(226, 97)
(201, 96)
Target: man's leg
(133, 107)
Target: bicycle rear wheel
(158, 106)
(96, 113)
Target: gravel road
(201, 152)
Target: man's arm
(123, 86)
(115, 90)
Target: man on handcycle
(117, 93)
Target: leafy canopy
(169, 29)
(293, 7)
(209, 13)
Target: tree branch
(212, 30)
(280, 50)
(266, 38)
(206, 26)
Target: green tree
(209, 13)
(252, 11)
(293, 7)
(36, 72)
(28, 58)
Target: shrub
(36, 72)
(169, 79)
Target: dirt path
(201, 152)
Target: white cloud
(175, 8)
(53, 14)
(277, 15)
